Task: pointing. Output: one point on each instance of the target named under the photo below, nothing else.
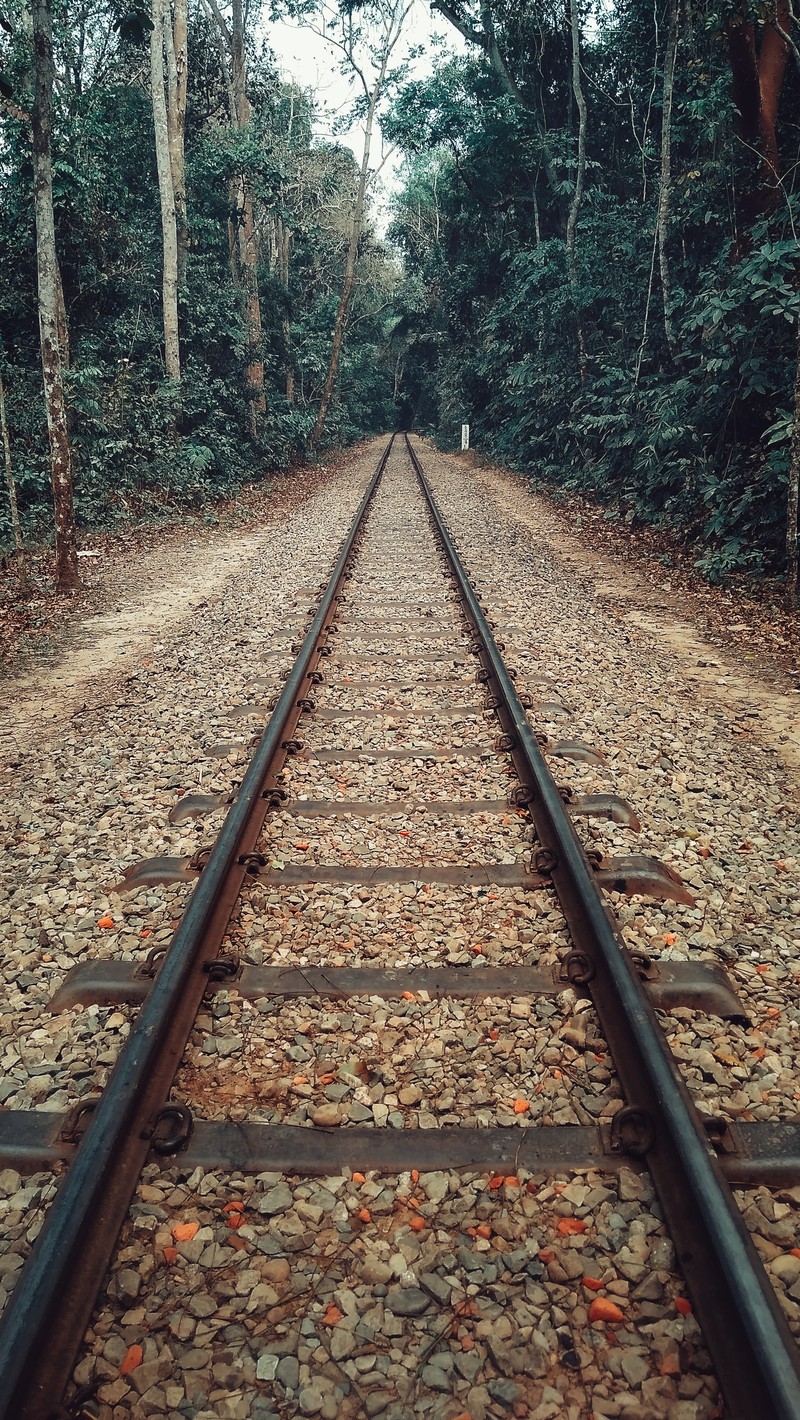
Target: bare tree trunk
(169, 225)
(19, 545)
(283, 241)
(580, 174)
(176, 45)
(793, 494)
(247, 237)
(52, 320)
(665, 188)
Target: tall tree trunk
(19, 545)
(580, 174)
(348, 280)
(176, 46)
(166, 191)
(52, 319)
(757, 76)
(793, 494)
(665, 187)
(246, 236)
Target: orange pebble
(521, 1106)
(604, 1310)
(359, 1178)
(184, 1232)
(332, 1315)
(567, 1226)
(106, 921)
(365, 1215)
(683, 1306)
(416, 1223)
(593, 1283)
(483, 1230)
(170, 1254)
(133, 1357)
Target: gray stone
(267, 1366)
(505, 1391)
(310, 1400)
(436, 1379)
(634, 1368)
(407, 1301)
(288, 1372)
(436, 1285)
(278, 1200)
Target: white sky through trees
(306, 58)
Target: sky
(307, 59)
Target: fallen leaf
(683, 1306)
(133, 1357)
(521, 1106)
(107, 921)
(235, 1206)
(184, 1232)
(602, 1309)
(170, 1254)
(567, 1226)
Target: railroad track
(398, 579)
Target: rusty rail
(42, 1327)
(751, 1344)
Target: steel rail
(748, 1336)
(47, 1315)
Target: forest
(591, 257)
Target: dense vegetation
(602, 268)
(592, 259)
(142, 441)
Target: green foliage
(141, 448)
(699, 441)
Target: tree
(757, 73)
(166, 166)
(243, 234)
(367, 49)
(52, 316)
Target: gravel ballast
(428, 1293)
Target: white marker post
(464, 437)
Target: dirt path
(138, 586)
(763, 702)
